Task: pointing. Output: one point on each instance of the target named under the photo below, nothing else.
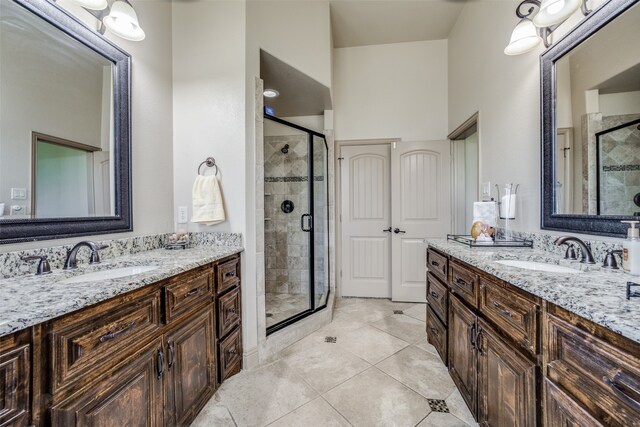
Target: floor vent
(438, 405)
(398, 312)
(331, 340)
(269, 315)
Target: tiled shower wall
(286, 245)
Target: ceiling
(300, 95)
(365, 22)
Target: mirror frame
(32, 229)
(586, 224)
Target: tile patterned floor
(379, 371)
(282, 306)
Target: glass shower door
(320, 221)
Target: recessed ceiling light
(270, 93)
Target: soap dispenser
(631, 250)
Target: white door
(366, 213)
(421, 208)
(102, 183)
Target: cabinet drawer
(228, 312)
(227, 275)
(437, 296)
(603, 378)
(230, 355)
(515, 315)
(437, 264)
(14, 382)
(183, 295)
(562, 411)
(437, 334)
(464, 283)
(83, 345)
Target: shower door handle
(310, 223)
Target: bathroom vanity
(528, 348)
(148, 350)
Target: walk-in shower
(296, 222)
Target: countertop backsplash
(12, 265)
(544, 242)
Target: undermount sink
(114, 273)
(538, 266)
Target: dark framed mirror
(590, 99)
(65, 136)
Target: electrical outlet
(18, 193)
(183, 213)
(18, 210)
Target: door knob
(398, 231)
(387, 230)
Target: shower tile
(433, 382)
(372, 398)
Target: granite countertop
(29, 300)
(596, 294)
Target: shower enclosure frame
(311, 208)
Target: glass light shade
(553, 12)
(92, 4)
(523, 38)
(123, 22)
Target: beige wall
(391, 91)
(152, 126)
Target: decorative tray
(498, 243)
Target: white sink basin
(114, 273)
(538, 266)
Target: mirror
(591, 123)
(64, 126)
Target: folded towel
(208, 207)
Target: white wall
(616, 104)
(391, 91)
(152, 126)
(505, 90)
(209, 120)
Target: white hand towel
(208, 207)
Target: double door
(393, 196)
(496, 381)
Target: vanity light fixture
(271, 93)
(121, 19)
(547, 16)
(92, 4)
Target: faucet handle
(610, 260)
(95, 257)
(43, 265)
(571, 253)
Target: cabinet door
(14, 386)
(463, 365)
(562, 411)
(191, 367)
(131, 396)
(506, 382)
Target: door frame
(462, 132)
(338, 197)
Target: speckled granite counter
(595, 294)
(29, 300)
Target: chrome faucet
(585, 249)
(72, 263)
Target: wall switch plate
(183, 213)
(18, 193)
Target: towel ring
(211, 163)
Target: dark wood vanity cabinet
(15, 380)
(150, 357)
(506, 381)
(463, 356)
